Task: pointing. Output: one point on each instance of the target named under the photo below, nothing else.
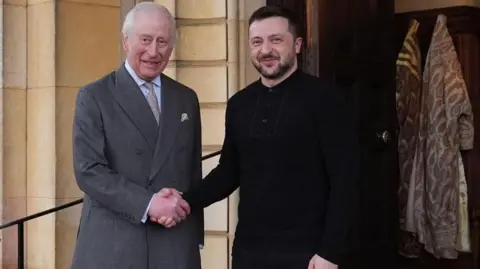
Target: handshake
(168, 208)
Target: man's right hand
(169, 205)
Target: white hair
(147, 7)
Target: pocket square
(184, 117)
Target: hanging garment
(408, 100)
(463, 238)
(446, 128)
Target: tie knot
(149, 85)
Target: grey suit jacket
(121, 158)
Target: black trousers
(264, 259)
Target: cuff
(145, 215)
(330, 255)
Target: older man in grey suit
(137, 132)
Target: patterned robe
(446, 127)
(408, 99)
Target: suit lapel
(129, 96)
(170, 121)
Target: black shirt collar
(285, 84)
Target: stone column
(66, 49)
(41, 162)
(87, 48)
(249, 73)
(210, 57)
(202, 62)
(13, 62)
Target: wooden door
(357, 53)
(350, 43)
(354, 43)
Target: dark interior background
(354, 44)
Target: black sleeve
(197, 169)
(340, 151)
(223, 180)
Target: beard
(282, 68)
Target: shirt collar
(286, 83)
(156, 81)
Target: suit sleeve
(197, 163)
(223, 180)
(93, 172)
(340, 152)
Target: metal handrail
(21, 222)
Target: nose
(266, 48)
(152, 49)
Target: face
(273, 47)
(149, 45)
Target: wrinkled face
(149, 44)
(273, 47)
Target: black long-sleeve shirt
(293, 152)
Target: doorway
(350, 43)
(354, 44)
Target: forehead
(152, 23)
(269, 26)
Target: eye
(277, 40)
(256, 42)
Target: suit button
(139, 151)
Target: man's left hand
(318, 262)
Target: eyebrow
(272, 35)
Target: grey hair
(146, 7)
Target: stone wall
(212, 57)
(50, 49)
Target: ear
(298, 44)
(125, 42)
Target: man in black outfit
(291, 147)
